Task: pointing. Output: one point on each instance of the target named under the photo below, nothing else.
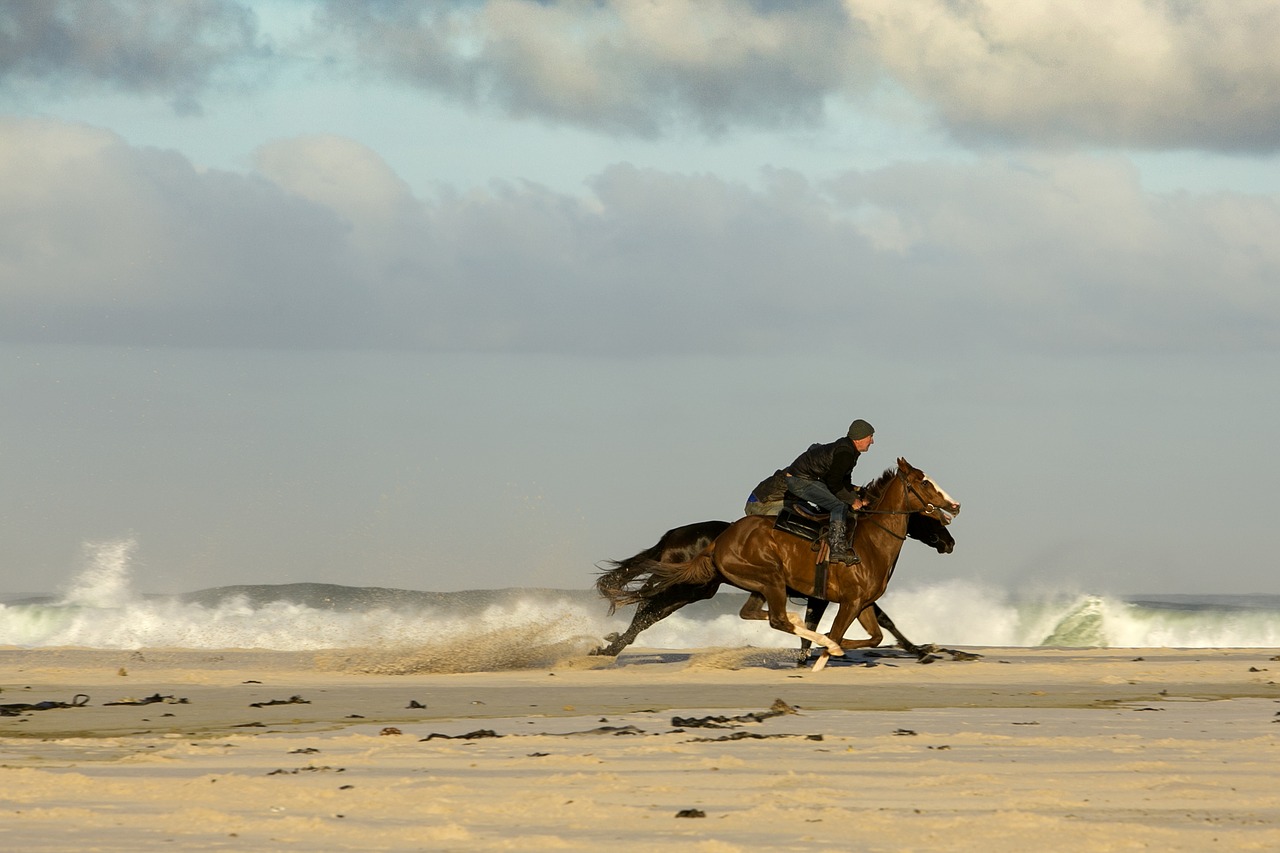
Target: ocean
(100, 610)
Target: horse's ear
(903, 465)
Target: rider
(821, 476)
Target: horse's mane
(875, 488)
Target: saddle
(801, 518)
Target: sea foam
(99, 608)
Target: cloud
(1069, 252)
(1159, 74)
(345, 177)
(617, 66)
(1152, 74)
(101, 242)
(324, 246)
(145, 47)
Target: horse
(751, 555)
(681, 544)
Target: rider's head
(862, 434)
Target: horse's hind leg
(647, 612)
(754, 607)
(813, 611)
(652, 610)
(781, 620)
(796, 625)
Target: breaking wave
(99, 609)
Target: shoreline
(221, 685)
(1049, 749)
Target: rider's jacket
(830, 464)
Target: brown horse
(683, 543)
(751, 555)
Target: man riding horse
(822, 476)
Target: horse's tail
(646, 578)
(620, 581)
(614, 583)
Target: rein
(887, 530)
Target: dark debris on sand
(778, 709)
(15, 709)
(292, 700)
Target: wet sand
(1049, 749)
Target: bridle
(927, 507)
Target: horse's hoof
(928, 658)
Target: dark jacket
(830, 464)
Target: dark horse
(682, 544)
(751, 555)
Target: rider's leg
(818, 494)
(841, 552)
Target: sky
(479, 294)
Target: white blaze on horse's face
(947, 506)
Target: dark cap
(860, 429)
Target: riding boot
(840, 550)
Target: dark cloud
(326, 247)
(1159, 74)
(616, 67)
(148, 47)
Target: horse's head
(931, 531)
(934, 501)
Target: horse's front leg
(844, 618)
(867, 619)
(925, 654)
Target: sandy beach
(710, 750)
